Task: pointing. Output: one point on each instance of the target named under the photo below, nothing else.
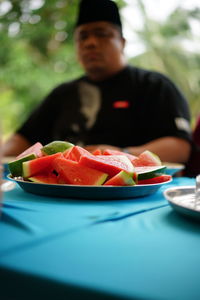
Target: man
(114, 105)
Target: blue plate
(173, 168)
(88, 192)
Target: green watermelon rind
(56, 146)
(124, 176)
(15, 167)
(155, 157)
(149, 172)
(37, 180)
(101, 180)
(34, 179)
(127, 177)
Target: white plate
(89, 192)
(182, 199)
(7, 185)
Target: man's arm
(15, 145)
(169, 149)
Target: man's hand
(169, 149)
(15, 145)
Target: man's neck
(99, 75)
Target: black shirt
(131, 108)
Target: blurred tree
(166, 51)
(36, 54)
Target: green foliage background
(37, 53)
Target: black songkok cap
(98, 10)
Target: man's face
(99, 48)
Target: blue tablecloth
(125, 249)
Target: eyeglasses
(99, 33)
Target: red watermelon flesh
(116, 152)
(67, 154)
(38, 165)
(147, 158)
(49, 178)
(61, 179)
(97, 152)
(121, 179)
(73, 173)
(76, 152)
(110, 164)
(159, 179)
(34, 149)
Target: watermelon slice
(147, 158)
(56, 146)
(34, 149)
(49, 178)
(15, 167)
(75, 153)
(143, 173)
(73, 173)
(116, 152)
(38, 165)
(159, 179)
(121, 179)
(110, 164)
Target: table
(140, 248)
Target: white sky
(157, 10)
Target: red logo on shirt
(121, 104)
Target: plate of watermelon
(88, 192)
(61, 169)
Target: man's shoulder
(68, 85)
(155, 82)
(145, 75)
